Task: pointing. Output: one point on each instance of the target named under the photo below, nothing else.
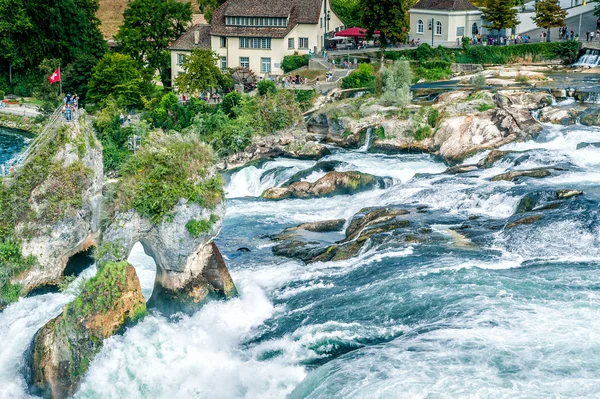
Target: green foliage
(198, 227)
(31, 30)
(266, 86)
(231, 102)
(64, 283)
(348, 10)
(479, 80)
(567, 51)
(11, 265)
(293, 62)
(100, 293)
(485, 107)
(433, 117)
(169, 114)
(207, 7)
(396, 83)
(117, 78)
(380, 133)
(500, 14)
(166, 170)
(422, 132)
(200, 72)
(149, 26)
(1, 95)
(522, 78)
(109, 250)
(362, 77)
(549, 14)
(390, 17)
(305, 98)
(434, 70)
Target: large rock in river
(333, 183)
(63, 349)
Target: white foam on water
(195, 357)
(249, 181)
(145, 268)
(18, 324)
(293, 291)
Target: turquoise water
(11, 142)
(490, 313)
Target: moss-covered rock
(525, 220)
(537, 173)
(333, 183)
(64, 347)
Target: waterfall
(368, 140)
(591, 58)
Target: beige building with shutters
(445, 22)
(257, 34)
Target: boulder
(559, 94)
(320, 167)
(63, 349)
(491, 158)
(516, 174)
(525, 220)
(560, 115)
(588, 145)
(333, 183)
(310, 150)
(458, 169)
(547, 199)
(369, 217)
(324, 226)
(452, 97)
(528, 100)
(591, 118)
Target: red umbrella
(354, 32)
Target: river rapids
(507, 313)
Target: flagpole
(60, 79)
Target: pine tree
(500, 14)
(549, 14)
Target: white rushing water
(514, 316)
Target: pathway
(20, 111)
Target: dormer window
(279, 22)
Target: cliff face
(77, 170)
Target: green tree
(549, 14)
(148, 28)
(348, 10)
(31, 31)
(266, 86)
(200, 72)
(500, 14)
(396, 83)
(117, 77)
(390, 17)
(207, 7)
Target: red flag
(55, 77)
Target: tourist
(587, 36)
(572, 34)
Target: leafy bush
(433, 117)
(396, 83)
(478, 81)
(422, 132)
(522, 78)
(362, 77)
(566, 51)
(485, 107)
(266, 86)
(231, 102)
(305, 98)
(380, 133)
(293, 62)
(1, 95)
(198, 227)
(165, 170)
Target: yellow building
(257, 34)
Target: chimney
(196, 37)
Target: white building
(444, 21)
(196, 37)
(257, 34)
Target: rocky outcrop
(293, 143)
(528, 100)
(67, 206)
(525, 220)
(333, 183)
(190, 269)
(371, 226)
(324, 226)
(63, 349)
(545, 199)
(561, 115)
(513, 175)
(591, 118)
